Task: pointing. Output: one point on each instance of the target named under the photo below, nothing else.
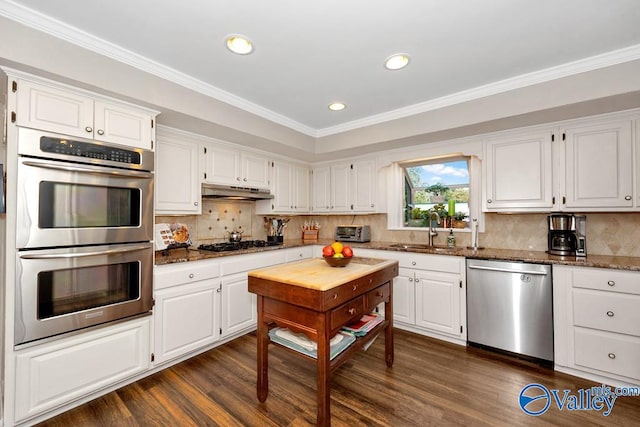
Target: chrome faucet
(432, 231)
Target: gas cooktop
(236, 246)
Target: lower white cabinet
(56, 373)
(239, 311)
(597, 323)
(438, 302)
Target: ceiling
(309, 54)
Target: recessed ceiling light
(396, 61)
(239, 44)
(337, 106)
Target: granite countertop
(536, 257)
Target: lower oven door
(63, 290)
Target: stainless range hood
(232, 192)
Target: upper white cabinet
(585, 166)
(61, 109)
(178, 189)
(345, 187)
(290, 185)
(518, 172)
(598, 166)
(228, 166)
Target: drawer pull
(413, 263)
(191, 276)
(611, 283)
(610, 313)
(335, 296)
(612, 356)
(379, 294)
(411, 279)
(352, 311)
(355, 287)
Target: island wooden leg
(263, 353)
(323, 375)
(388, 338)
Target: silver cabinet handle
(610, 313)
(191, 276)
(244, 179)
(612, 355)
(237, 178)
(89, 129)
(417, 280)
(413, 263)
(411, 279)
(100, 132)
(627, 197)
(195, 203)
(489, 201)
(611, 283)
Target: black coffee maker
(566, 235)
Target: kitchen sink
(434, 248)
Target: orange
(337, 247)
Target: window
(436, 190)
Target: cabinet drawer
(607, 280)
(608, 352)
(608, 311)
(347, 312)
(378, 295)
(443, 263)
(165, 276)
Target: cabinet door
(177, 181)
(322, 189)
(300, 189)
(341, 188)
(363, 186)
(404, 298)
(46, 108)
(518, 173)
(438, 302)
(255, 171)
(55, 373)
(185, 318)
(282, 191)
(239, 307)
(222, 165)
(599, 166)
(122, 124)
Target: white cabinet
(597, 323)
(57, 108)
(299, 253)
(404, 297)
(290, 187)
(178, 189)
(345, 187)
(518, 172)
(239, 311)
(585, 166)
(54, 374)
(598, 166)
(438, 302)
(187, 308)
(229, 166)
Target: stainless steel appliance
(81, 192)
(84, 234)
(510, 308)
(566, 235)
(234, 192)
(353, 233)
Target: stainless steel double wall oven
(84, 232)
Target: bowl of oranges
(337, 254)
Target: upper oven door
(68, 204)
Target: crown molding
(63, 31)
(619, 56)
(73, 35)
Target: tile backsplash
(607, 233)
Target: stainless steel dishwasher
(510, 307)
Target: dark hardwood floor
(431, 383)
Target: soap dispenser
(451, 239)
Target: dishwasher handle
(508, 270)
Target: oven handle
(136, 174)
(84, 254)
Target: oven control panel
(89, 150)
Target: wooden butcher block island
(316, 299)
